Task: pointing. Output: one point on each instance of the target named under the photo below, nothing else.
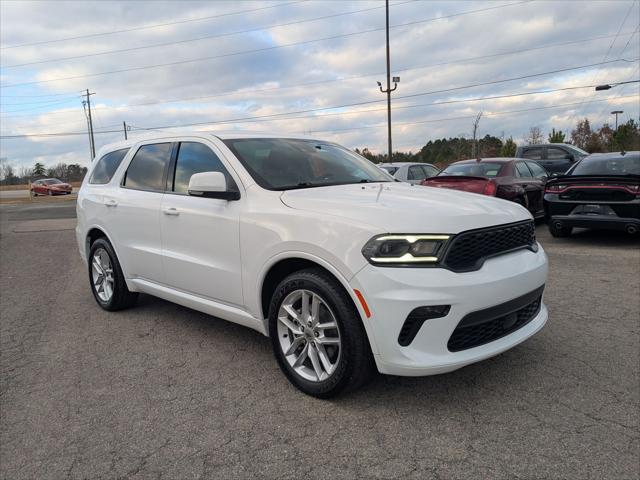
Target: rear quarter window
(107, 166)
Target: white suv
(310, 244)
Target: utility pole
(388, 91)
(92, 143)
(476, 122)
(124, 124)
(616, 112)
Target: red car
(516, 179)
(50, 186)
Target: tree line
(24, 175)
(444, 151)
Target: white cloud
(230, 82)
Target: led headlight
(405, 250)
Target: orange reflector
(365, 307)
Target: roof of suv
(222, 135)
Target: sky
(308, 67)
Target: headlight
(405, 250)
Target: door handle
(171, 211)
(111, 203)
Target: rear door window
(107, 166)
(147, 168)
(523, 170)
(416, 173)
(537, 170)
(554, 153)
(533, 153)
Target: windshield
(390, 170)
(595, 165)
(285, 164)
(483, 169)
(51, 181)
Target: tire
(558, 230)
(351, 357)
(120, 297)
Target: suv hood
(403, 208)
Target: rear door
(201, 236)
(132, 211)
(531, 186)
(540, 176)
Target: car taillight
(490, 188)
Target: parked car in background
(410, 172)
(602, 191)
(554, 157)
(521, 181)
(50, 186)
(312, 245)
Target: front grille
(468, 250)
(484, 326)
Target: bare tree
(535, 136)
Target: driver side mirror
(211, 185)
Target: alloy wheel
(309, 335)
(102, 274)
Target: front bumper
(392, 293)
(606, 222)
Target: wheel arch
(283, 265)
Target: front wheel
(317, 335)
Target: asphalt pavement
(164, 392)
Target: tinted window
(533, 153)
(556, 153)
(193, 158)
(595, 165)
(522, 169)
(107, 166)
(431, 171)
(283, 163)
(146, 170)
(416, 173)
(537, 170)
(476, 169)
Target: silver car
(410, 172)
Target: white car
(410, 172)
(312, 245)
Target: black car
(601, 191)
(554, 157)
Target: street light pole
(616, 112)
(389, 89)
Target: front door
(201, 236)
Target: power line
(37, 96)
(595, 77)
(92, 35)
(259, 50)
(52, 104)
(234, 120)
(205, 37)
(484, 114)
(353, 77)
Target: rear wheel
(107, 281)
(317, 335)
(558, 230)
